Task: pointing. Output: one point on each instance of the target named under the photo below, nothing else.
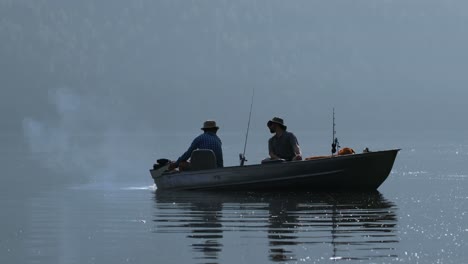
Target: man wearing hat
(207, 140)
(283, 145)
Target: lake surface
(97, 210)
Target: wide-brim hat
(209, 124)
(278, 121)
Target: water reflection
(282, 228)
(292, 226)
(205, 224)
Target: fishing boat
(348, 171)
(362, 171)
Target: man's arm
(189, 151)
(297, 152)
(273, 156)
(296, 148)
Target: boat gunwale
(274, 164)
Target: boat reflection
(298, 226)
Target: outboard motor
(160, 163)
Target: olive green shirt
(283, 146)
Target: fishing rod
(242, 155)
(335, 143)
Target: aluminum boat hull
(364, 171)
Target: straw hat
(209, 124)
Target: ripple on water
(288, 226)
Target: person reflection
(206, 228)
(196, 215)
(282, 227)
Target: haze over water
(93, 92)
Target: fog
(72, 69)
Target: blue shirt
(207, 140)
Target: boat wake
(151, 187)
(112, 187)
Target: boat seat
(203, 159)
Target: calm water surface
(419, 215)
